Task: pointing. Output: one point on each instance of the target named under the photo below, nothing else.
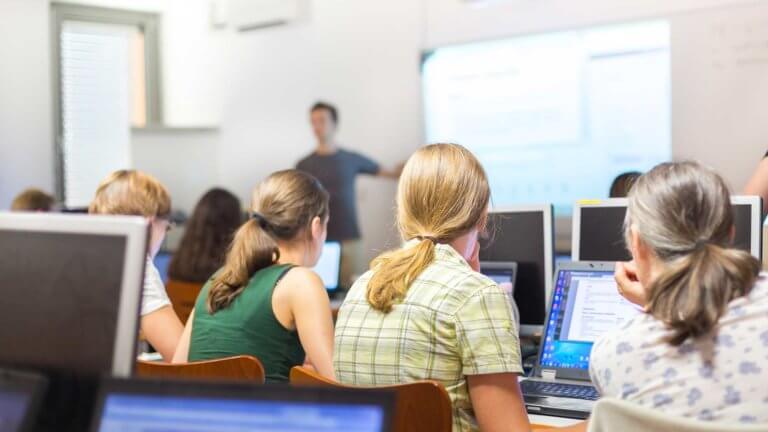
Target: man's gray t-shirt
(337, 173)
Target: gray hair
(682, 212)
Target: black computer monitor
(329, 266)
(72, 287)
(164, 405)
(598, 228)
(523, 234)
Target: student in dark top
(337, 168)
(207, 235)
(266, 301)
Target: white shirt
(634, 364)
(153, 296)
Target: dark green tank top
(248, 326)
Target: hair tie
(424, 237)
(261, 220)
(699, 245)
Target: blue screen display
(144, 413)
(585, 305)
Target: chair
(613, 415)
(235, 368)
(183, 296)
(422, 406)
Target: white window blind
(96, 105)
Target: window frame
(150, 25)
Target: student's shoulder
(302, 279)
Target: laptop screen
(329, 265)
(142, 413)
(585, 305)
(13, 408)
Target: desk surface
(541, 420)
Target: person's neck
(290, 254)
(326, 147)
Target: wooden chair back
(422, 406)
(183, 296)
(232, 368)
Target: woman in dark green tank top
(248, 326)
(266, 297)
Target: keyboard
(541, 388)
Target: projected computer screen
(555, 117)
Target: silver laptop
(585, 304)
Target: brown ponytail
(284, 206)
(443, 193)
(693, 292)
(682, 212)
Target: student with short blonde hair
(266, 301)
(130, 192)
(33, 200)
(424, 312)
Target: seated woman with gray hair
(700, 350)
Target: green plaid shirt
(452, 323)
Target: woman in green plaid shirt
(424, 311)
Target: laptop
(153, 405)
(584, 305)
(20, 396)
(503, 273)
(328, 267)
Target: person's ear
(317, 226)
(638, 248)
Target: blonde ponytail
(395, 270)
(443, 193)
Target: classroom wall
(26, 137)
(256, 87)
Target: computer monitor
(162, 261)
(140, 405)
(329, 265)
(20, 396)
(598, 228)
(523, 234)
(585, 304)
(79, 281)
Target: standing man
(337, 169)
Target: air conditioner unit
(247, 15)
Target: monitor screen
(144, 413)
(585, 305)
(162, 262)
(742, 221)
(69, 286)
(601, 232)
(504, 278)
(519, 237)
(544, 113)
(329, 265)
(13, 409)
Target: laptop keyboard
(541, 388)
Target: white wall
(257, 86)
(26, 136)
(361, 55)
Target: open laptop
(328, 267)
(20, 396)
(143, 405)
(585, 304)
(503, 273)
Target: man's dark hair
(327, 107)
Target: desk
(541, 422)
